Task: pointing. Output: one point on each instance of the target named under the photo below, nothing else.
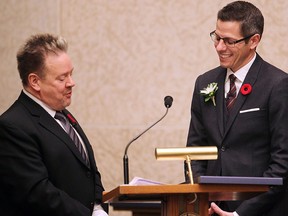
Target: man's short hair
(249, 16)
(31, 56)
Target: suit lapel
(46, 121)
(220, 101)
(50, 124)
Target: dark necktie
(231, 95)
(70, 131)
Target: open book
(142, 181)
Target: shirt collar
(41, 103)
(242, 72)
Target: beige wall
(128, 55)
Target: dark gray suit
(42, 172)
(249, 143)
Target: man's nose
(221, 45)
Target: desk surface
(232, 191)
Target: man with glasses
(242, 108)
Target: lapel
(250, 78)
(220, 100)
(49, 123)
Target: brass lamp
(187, 154)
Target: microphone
(168, 103)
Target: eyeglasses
(227, 41)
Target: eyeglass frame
(225, 40)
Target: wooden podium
(178, 199)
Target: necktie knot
(64, 121)
(60, 116)
(232, 78)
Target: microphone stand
(125, 158)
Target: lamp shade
(194, 153)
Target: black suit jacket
(42, 172)
(250, 143)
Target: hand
(215, 209)
(98, 211)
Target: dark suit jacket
(42, 172)
(249, 143)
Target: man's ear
(33, 80)
(254, 41)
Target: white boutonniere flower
(209, 92)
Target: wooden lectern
(178, 199)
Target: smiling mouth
(224, 56)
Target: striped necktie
(70, 131)
(231, 95)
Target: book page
(142, 181)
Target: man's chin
(66, 104)
(224, 65)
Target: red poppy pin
(246, 89)
(71, 118)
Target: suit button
(223, 148)
(88, 174)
